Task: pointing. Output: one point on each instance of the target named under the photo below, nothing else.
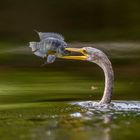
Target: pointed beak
(78, 50)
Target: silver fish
(50, 46)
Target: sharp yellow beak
(79, 50)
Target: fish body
(50, 46)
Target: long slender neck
(102, 60)
(109, 80)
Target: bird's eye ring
(84, 51)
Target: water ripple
(114, 106)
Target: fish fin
(38, 53)
(44, 64)
(34, 46)
(44, 36)
(51, 58)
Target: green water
(35, 102)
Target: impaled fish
(51, 45)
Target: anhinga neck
(109, 80)
(106, 66)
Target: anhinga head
(87, 53)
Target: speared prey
(51, 45)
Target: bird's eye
(84, 51)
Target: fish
(51, 46)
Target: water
(59, 101)
(70, 120)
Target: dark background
(81, 20)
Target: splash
(114, 106)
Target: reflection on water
(66, 121)
(90, 123)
